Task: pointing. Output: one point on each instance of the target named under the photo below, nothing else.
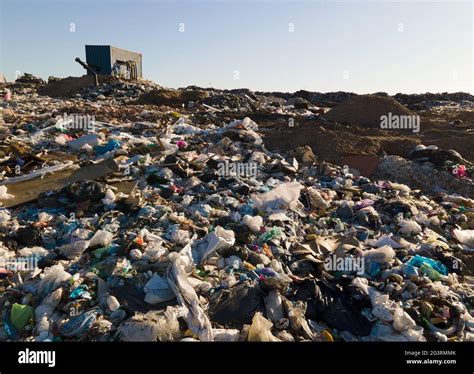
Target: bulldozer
(125, 70)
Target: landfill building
(108, 60)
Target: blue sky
(273, 45)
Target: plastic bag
(386, 240)
(403, 188)
(177, 275)
(226, 335)
(178, 236)
(4, 215)
(74, 249)
(410, 227)
(101, 238)
(111, 145)
(109, 198)
(274, 232)
(274, 306)
(380, 255)
(414, 334)
(168, 325)
(139, 330)
(361, 283)
(54, 276)
(382, 307)
(33, 251)
(4, 194)
(420, 261)
(465, 237)
(20, 315)
(253, 223)
(260, 330)
(239, 307)
(44, 311)
(332, 306)
(218, 239)
(89, 139)
(284, 196)
(298, 323)
(402, 320)
(157, 290)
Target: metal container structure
(103, 57)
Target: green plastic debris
(20, 315)
(274, 232)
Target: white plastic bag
(253, 223)
(54, 276)
(465, 237)
(381, 255)
(109, 198)
(402, 320)
(218, 239)
(274, 306)
(226, 335)
(4, 195)
(410, 227)
(157, 290)
(284, 196)
(177, 277)
(89, 139)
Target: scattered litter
(172, 218)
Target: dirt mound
(28, 78)
(366, 110)
(171, 97)
(333, 143)
(71, 85)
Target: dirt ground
(332, 141)
(72, 85)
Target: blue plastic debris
(111, 145)
(418, 261)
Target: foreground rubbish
(180, 227)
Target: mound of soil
(70, 86)
(171, 97)
(366, 110)
(337, 141)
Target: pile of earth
(171, 97)
(28, 78)
(71, 86)
(366, 110)
(333, 143)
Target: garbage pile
(84, 88)
(327, 99)
(161, 225)
(190, 233)
(431, 169)
(29, 79)
(117, 90)
(431, 100)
